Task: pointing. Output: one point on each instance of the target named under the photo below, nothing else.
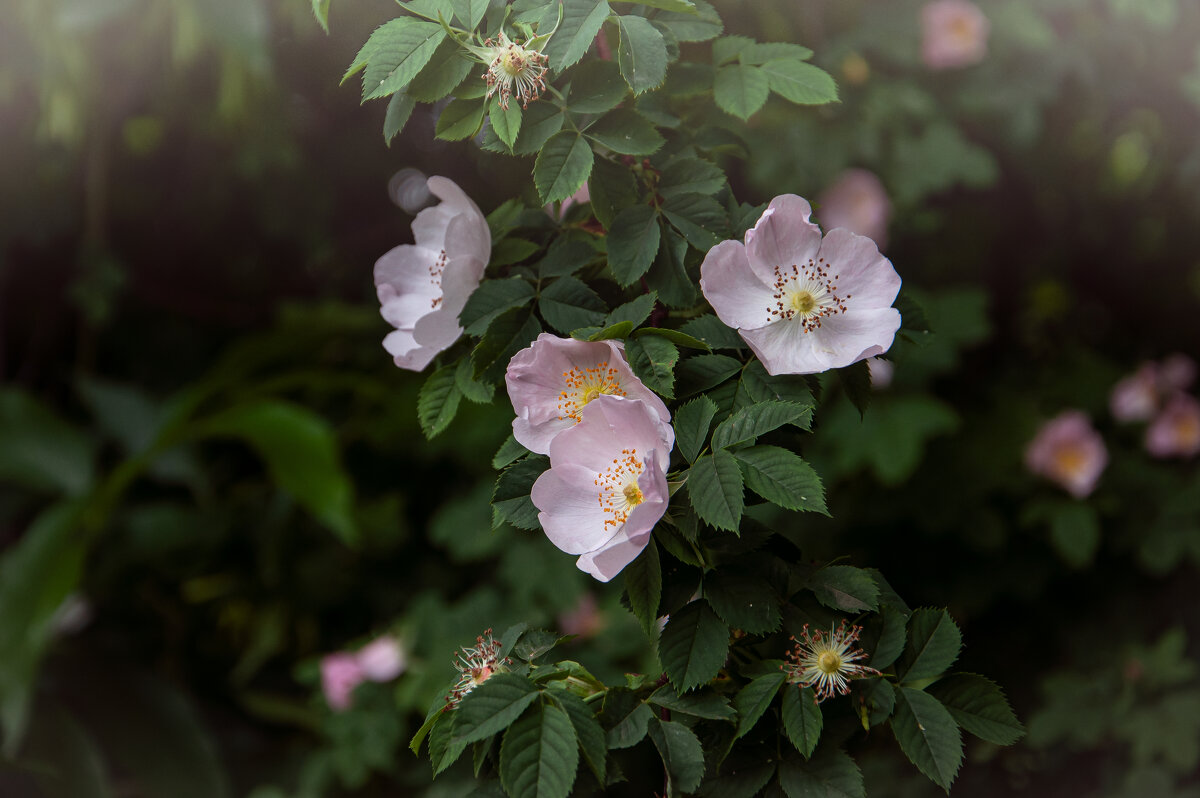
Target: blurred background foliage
(211, 474)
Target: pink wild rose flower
(422, 287)
(1135, 398)
(340, 674)
(857, 202)
(954, 34)
(804, 304)
(607, 484)
(553, 379)
(383, 659)
(1068, 450)
(1175, 432)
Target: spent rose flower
(340, 674)
(475, 665)
(513, 70)
(553, 379)
(856, 201)
(1069, 451)
(803, 304)
(1135, 398)
(422, 287)
(954, 34)
(607, 484)
(1175, 432)
(383, 659)
(827, 663)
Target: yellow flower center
(584, 385)
(633, 494)
(618, 489)
(513, 60)
(829, 662)
(803, 301)
(1070, 459)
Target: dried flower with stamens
(827, 663)
(514, 70)
(475, 665)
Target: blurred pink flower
(382, 659)
(607, 484)
(856, 201)
(422, 287)
(1135, 398)
(803, 304)
(553, 379)
(882, 372)
(1176, 373)
(1068, 451)
(340, 674)
(1175, 432)
(954, 34)
(585, 620)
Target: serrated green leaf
(728, 48)
(447, 68)
(596, 87)
(753, 699)
(653, 361)
(802, 718)
(643, 585)
(562, 166)
(691, 426)
(744, 602)
(674, 336)
(691, 176)
(682, 6)
(760, 53)
(626, 718)
(693, 646)
(459, 120)
(798, 82)
(701, 219)
(509, 451)
(539, 122)
(539, 754)
(613, 188)
(581, 21)
(508, 251)
(321, 12)
(844, 587)
(399, 49)
(565, 257)
(399, 109)
(492, 707)
(741, 90)
(829, 774)
(928, 736)
(781, 477)
(702, 372)
(933, 645)
(588, 731)
(635, 311)
(668, 274)
(505, 121)
(444, 751)
(714, 332)
(979, 706)
(714, 485)
(626, 132)
(510, 499)
(507, 334)
(885, 635)
(750, 422)
(641, 54)
(632, 243)
(470, 12)
(759, 386)
(432, 718)
(568, 304)
(699, 26)
(619, 330)
(702, 703)
(492, 298)
(469, 387)
(682, 755)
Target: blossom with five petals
(422, 287)
(553, 379)
(607, 484)
(1069, 451)
(803, 304)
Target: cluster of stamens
(826, 663)
(475, 666)
(807, 293)
(619, 492)
(584, 385)
(514, 66)
(435, 276)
